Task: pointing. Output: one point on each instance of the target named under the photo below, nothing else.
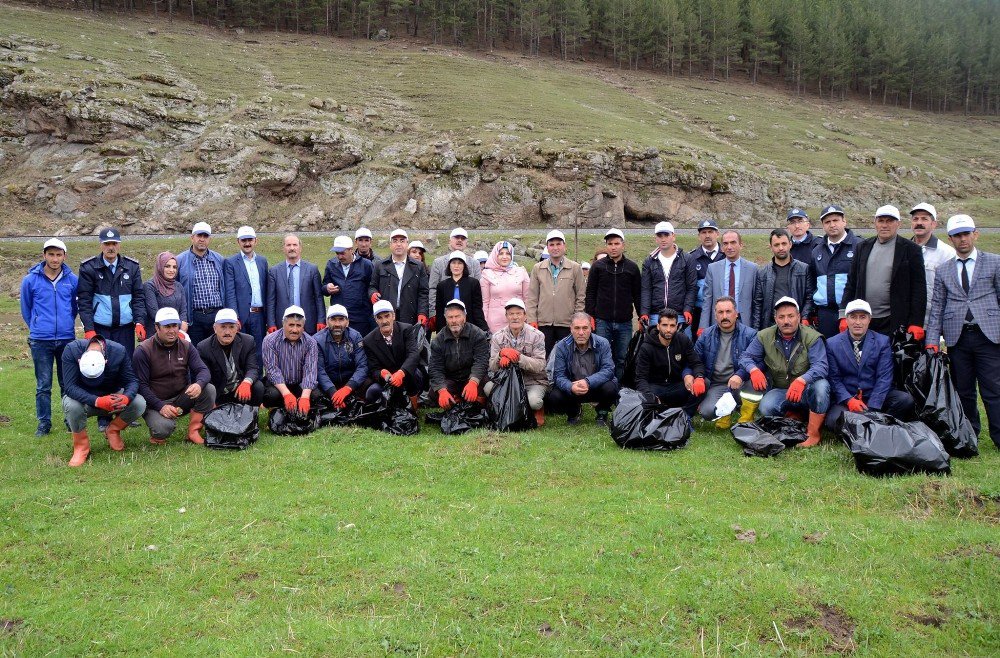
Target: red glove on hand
(856, 405)
(243, 392)
(422, 321)
(794, 393)
(843, 325)
(289, 402)
(432, 324)
(698, 387)
(534, 324)
(397, 378)
(471, 392)
(503, 362)
(375, 297)
(271, 330)
(140, 332)
(933, 348)
(385, 374)
(304, 406)
(512, 355)
(183, 336)
(320, 326)
(805, 321)
(918, 332)
(699, 332)
(105, 403)
(340, 395)
(644, 320)
(89, 334)
(593, 324)
(758, 379)
(445, 399)
(688, 317)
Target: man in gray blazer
(295, 282)
(733, 276)
(965, 310)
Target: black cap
(109, 234)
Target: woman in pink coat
(502, 279)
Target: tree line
(936, 55)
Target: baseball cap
(342, 243)
(337, 310)
(293, 310)
(458, 303)
(786, 300)
(515, 301)
(226, 315)
(960, 224)
(887, 211)
(585, 265)
(456, 254)
(481, 256)
(92, 364)
(109, 234)
(832, 209)
(545, 253)
(382, 306)
(459, 233)
(398, 231)
(858, 305)
(796, 212)
(707, 223)
(201, 227)
(663, 227)
(245, 232)
(417, 244)
(555, 234)
(926, 207)
(614, 233)
(167, 315)
(54, 242)
(362, 233)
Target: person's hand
(805, 322)
(842, 327)
(89, 334)
(170, 411)
(140, 332)
(688, 317)
(758, 379)
(698, 388)
(931, 347)
(119, 402)
(794, 393)
(688, 382)
(644, 320)
(105, 403)
(422, 320)
(340, 395)
(271, 329)
(304, 406)
(580, 387)
(432, 323)
(918, 332)
(512, 355)
(503, 362)
(385, 374)
(593, 324)
(735, 382)
(699, 332)
(375, 297)
(289, 400)
(445, 399)
(320, 326)
(243, 392)
(534, 324)
(397, 378)
(471, 392)
(183, 336)
(332, 289)
(856, 405)
(193, 391)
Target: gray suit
(716, 285)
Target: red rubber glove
(432, 324)
(375, 297)
(397, 378)
(445, 399)
(698, 387)
(843, 325)
(688, 317)
(512, 355)
(471, 392)
(140, 332)
(340, 395)
(89, 334)
(320, 326)
(856, 405)
(534, 324)
(918, 332)
(243, 392)
(933, 348)
(271, 330)
(644, 320)
(758, 379)
(120, 402)
(105, 403)
(794, 393)
(289, 402)
(699, 332)
(805, 321)
(183, 336)
(422, 321)
(304, 406)
(385, 374)
(503, 362)
(593, 324)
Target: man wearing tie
(245, 276)
(734, 277)
(295, 283)
(965, 311)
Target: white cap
(337, 310)
(960, 224)
(545, 253)
(293, 310)
(417, 244)
(54, 242)
(382, 306)
(585, 265)
(167, 315)
(481, 256)
(614, 233)
(92, 364)
(342, 243)
(887, 211)
(362, 233)
(226, 315)
(459, 233)
(786, 300)
(925, 207)
(398, 231)
(201, 227)
(858, 305)
(663, 227)
(245, 232)
(555, 234)
(457, 254)
(455, 302)
(515, 301)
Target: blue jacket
(830, 270)
(109, 300)
(353, 288)
(873, 376)
(562, 374)
(117, 376)
(49, 310)
(707, 347)
(802, 251)
(343, 364)
(236, 283)
(701, 263)
(185, 275)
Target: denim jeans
(816, 398)
(618, 334)
(43, 352)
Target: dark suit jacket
(244, 353)
(236, 283)
(413, 296)
(310, 294)
(908, 282)
(406, 352)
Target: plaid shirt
(291, 362)
(207, 285)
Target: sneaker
(102, 423)
(43, 430)
(602, 419)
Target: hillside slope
(150, 125)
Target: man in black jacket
(783, 277)
(460, 356)
(802, 239)
(395, 352)
(668, 367)
(401, 281)
(888, 273)
(614, 290)
(231, 358)
(669, 279)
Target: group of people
(810, 330)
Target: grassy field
(552, 542)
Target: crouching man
(173, 380)
(583, 371)
(667, 366)
(520, 344)
(231, 357)
(460, 355)
(343, 366)
(395, 353)
(291, 361)
(98, 379)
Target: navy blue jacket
(117, 376)
(237, 285)
(353, 293)
(873, 376)
(110, 300)
(185, 276)
(803, 250)
(49, 310)
(682, 291)
(562, 373)
(701, 263)
(341, 364)
(707, 347)
(829, 271)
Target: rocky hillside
(150, 125)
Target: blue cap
(796, 212)
(109, 234)
(708, 223)
(832, 209)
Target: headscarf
(163, 286)
(493, 262)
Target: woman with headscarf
(501, 280)
(459, 284)
(162, 290)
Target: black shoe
(102, 423)
(43, 430)
(602, 419)
(574, 418)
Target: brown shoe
(540, 417)
(158, 442)
(815, 424)
(81, 448)
(114, 434)
(415, 402)
(193, 427)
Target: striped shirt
(291, 362)
(207, 289)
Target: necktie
(456, 295)
(291, 284)
(965, 285)
(857, 351)
(732, 280)
(115, 264)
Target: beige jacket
(553, 304)
(531, 345)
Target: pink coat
(499, 286)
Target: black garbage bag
(393, 413)
(905, 351)
(283, 423)
(918, 382)
(231, 427)
(883, 445)
(508, 404)
(942, 410)
(354, 412)
(631, 357)
(641, 423)
(769, 435)
(463, 417)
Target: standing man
(831, 262)
(720, 349)
(295, 283)
(231, 358)
(48, 307)
(346, 280)
(733, 276)
(888, 273)
(782, 277)
(669, 279)
(401, 281)
(291, 361)
(343, 365)
(923, 222)
(705, 254)
(457, 241)
(363, 245)
(965, 311)
(668, 368)
(110, 296)
(245, 276)
(557, 289)
(199, 270)
(803, 240)
(460, 356)
(614, 290)
(582, 371)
